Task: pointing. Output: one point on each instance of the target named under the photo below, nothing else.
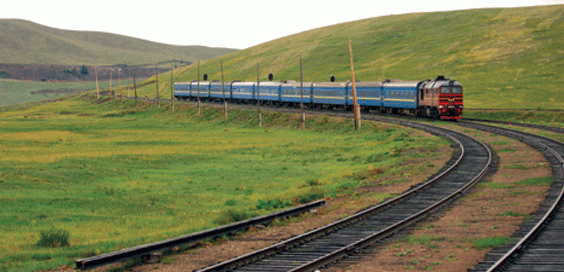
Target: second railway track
(321, 246)
(537, 246)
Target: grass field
(14, 92)
(549, 118)
(114, 175)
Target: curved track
(326, 244)
(539, 244)
(527, 125)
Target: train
(439, 98)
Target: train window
(456, 90)
(445, 90)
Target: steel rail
(146, 249)
(536, 126)
(392, 229)
(322, 231)
(521, 245)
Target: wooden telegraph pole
(302, 94)
(119, 83)
(96, 75)
(199, 105)
(111, 71)
(223, 89)
(157, 83)
(135, 87)
(258, 96)
(171, 87)
(357, 124)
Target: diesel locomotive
(439, 98)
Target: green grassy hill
(25, 42)
(505, 58)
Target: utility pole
(111, 71)
(171, 87)
(119, 82)
(356, 108)
(302, 94)
(96, 74)
(157, 83)
(223, 89)
(135, 87)
(258, 96)
(199, 105)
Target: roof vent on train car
(440, 77)
(270, 77)
(205, 77)
(332, 78)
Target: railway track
(538, 245)
(324, 245)
(143, 251)
(527, 125)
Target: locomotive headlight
(440, 107)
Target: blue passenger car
(368, 94)
(182, 90)
(269, 91)
(243, 91)
(290, 93)
(204, 87)
(330, 93)
(217, 89)
(400, 94)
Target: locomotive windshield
(455, 90)
(445, 90)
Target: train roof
(226, 83)
(367, 84)
(438, 82)
(399, 83)
(296, 84)
(202, 83)
(330, 84)
(243, 83)
(270, 83)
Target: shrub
(489, 242)
(310, 196)
(54, 238)
(273, 204)
(233, 215)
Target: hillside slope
(25, 42)
(505, 58)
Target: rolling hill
(505, 58)
(25, 42)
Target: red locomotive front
(441, 98)
(450, 102)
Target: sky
(235, 24)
